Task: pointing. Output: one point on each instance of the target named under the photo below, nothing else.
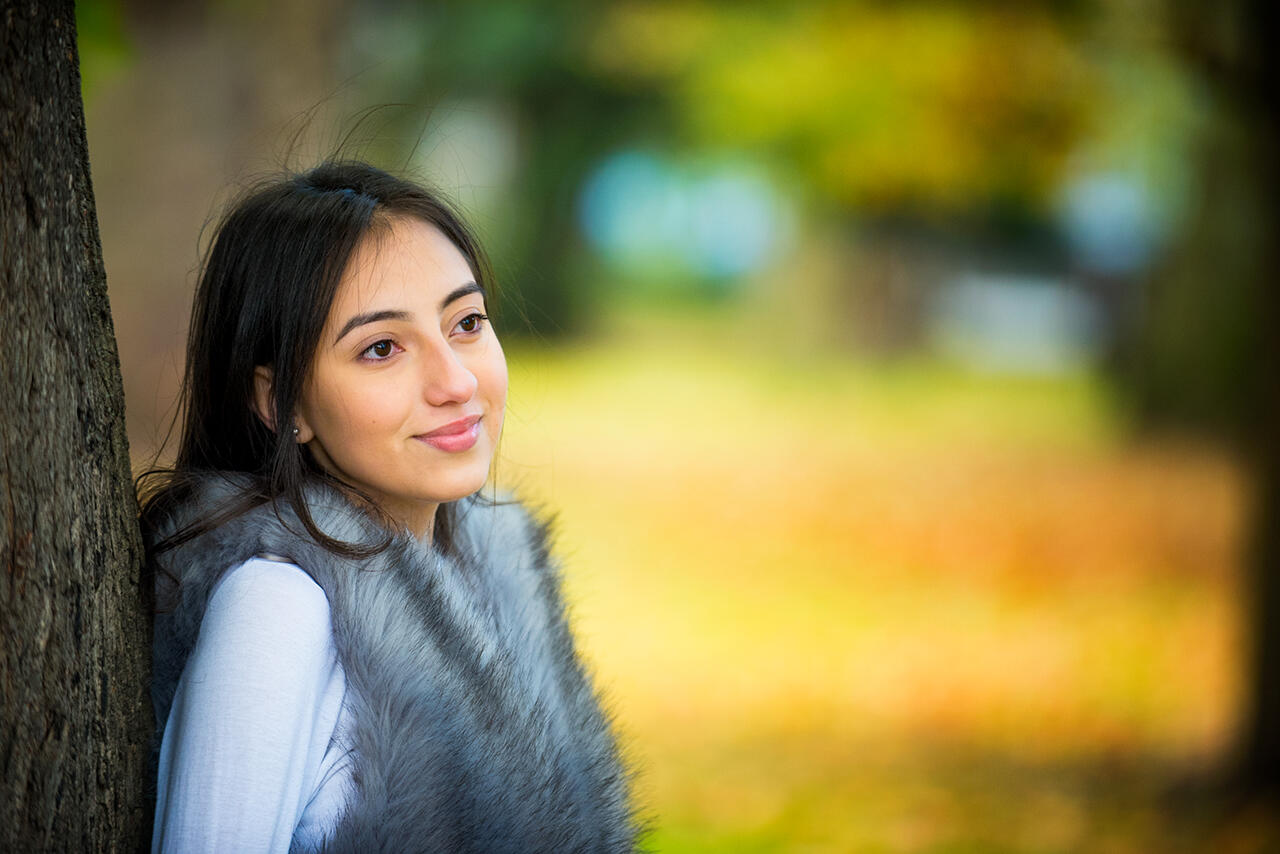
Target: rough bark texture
(74, 651)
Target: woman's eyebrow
(398, 314)
(372, 317)
(460, 292)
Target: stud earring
(295, 431)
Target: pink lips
(455, 436)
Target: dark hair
(264, 293)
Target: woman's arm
(254, 712)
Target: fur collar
(475, 726)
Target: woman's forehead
(410, 261)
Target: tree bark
(74, 651)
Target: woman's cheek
(498, 380)
(381, 402)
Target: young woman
(355, 650)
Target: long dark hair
(264, 292)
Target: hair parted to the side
(263, 295)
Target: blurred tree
(75, 651)
(529, 60)
(1210, 353)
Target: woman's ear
(262, 380)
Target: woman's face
(407, 392)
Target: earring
(295, 431)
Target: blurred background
(896, 371)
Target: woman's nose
(447, 379)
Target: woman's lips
(455, 436)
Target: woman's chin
(458, 486)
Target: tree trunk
(1261, 761)
(1223, 315)
(1260, 768)
(74, 651)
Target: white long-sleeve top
(253, 755)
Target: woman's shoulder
(274, 579)
(270, 604)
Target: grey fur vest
(475, 727)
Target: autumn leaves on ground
(900, 609)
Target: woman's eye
(472, 322)
(379, 350)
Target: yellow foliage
(881, 106)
